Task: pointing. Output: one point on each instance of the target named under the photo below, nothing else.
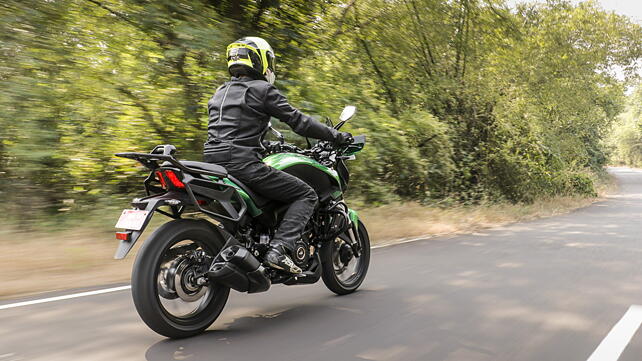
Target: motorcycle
(220, 231)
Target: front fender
(354, 217)
(353, 231)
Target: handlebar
(278, 147)
(321, 150)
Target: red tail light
(161, 179)
(174, 179)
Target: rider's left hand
(343, 138)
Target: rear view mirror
(278, 134)
(347, 113)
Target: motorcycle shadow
(260, 335)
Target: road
(550, 289)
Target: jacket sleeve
(277, 106)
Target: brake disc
(166, 281)
(185, 281)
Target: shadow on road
(253, 336)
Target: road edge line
(395, 242)
(122, 288)
(64, 297)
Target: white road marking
(401, 241)
(65, 297)
(122, 288)
(619, 337)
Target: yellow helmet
(252, 55)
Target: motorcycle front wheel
(342, 271)
(167, 291)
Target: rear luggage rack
(150, 161)
(161, 158)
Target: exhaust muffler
(237, 268)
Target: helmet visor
(271, 61)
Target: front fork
(353, 232)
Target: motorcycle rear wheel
(168, 250)
(337, 275)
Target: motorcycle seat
(210, 167)
(259, 201)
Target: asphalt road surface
(552, 289)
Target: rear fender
(150, 205)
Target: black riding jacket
(239, 113)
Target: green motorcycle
(220, 232)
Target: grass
(33, 262)
(413, 220)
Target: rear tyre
(164, 288)
(341, 272)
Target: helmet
(252, 56)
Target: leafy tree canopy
(464, 100)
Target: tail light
(168, 176)
(174, 179)
(159, 175)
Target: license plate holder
(133, 219)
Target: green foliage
(625, 140)
(462, 101)
(524, 98)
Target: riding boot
(277, 257)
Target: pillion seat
(259, 201)
(210, 167)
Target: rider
(239, 114)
